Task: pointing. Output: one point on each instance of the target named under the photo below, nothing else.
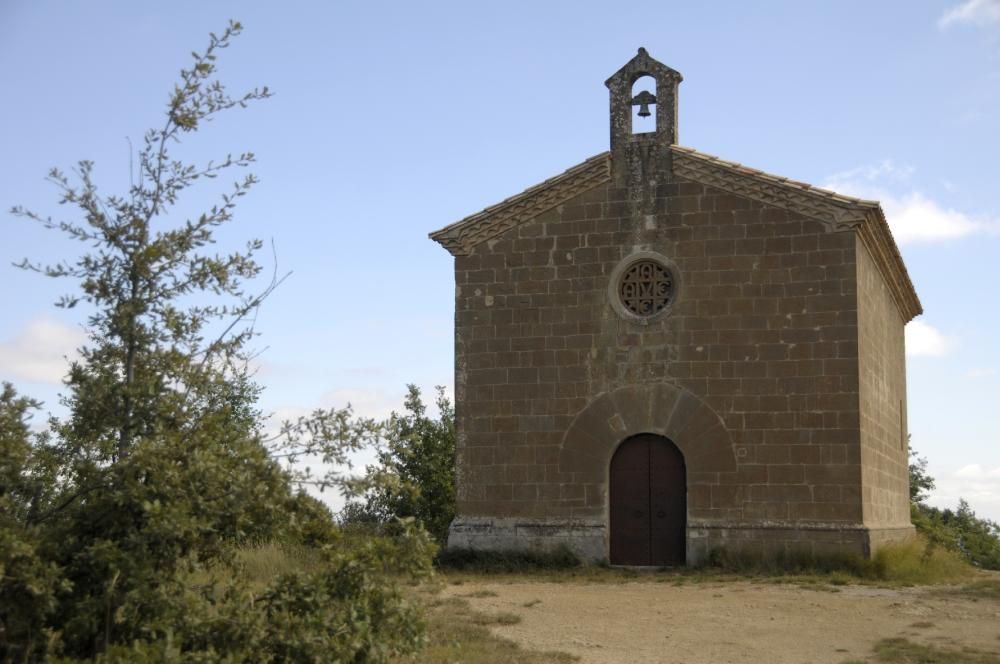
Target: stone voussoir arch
(659, 408)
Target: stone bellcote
(630, 150)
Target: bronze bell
(643, 100)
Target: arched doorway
(648, 494)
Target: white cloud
(980, 372)
(912, 216)
(915, 218)
(926, 340)
(39, 352)
(977, 12)
(972, 470)
(365, 401)
(976, 471)
(885, 169)
(978, 485)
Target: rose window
(646, 288)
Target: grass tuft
(456, 636)
(502, 618)
(479, 594)
(915, 561)
(984, 589)
(904, 651)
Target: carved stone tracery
(646, 288)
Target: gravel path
(715, 623)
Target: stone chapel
(659, 353)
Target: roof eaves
(877, 237)
(839, 212)
(460, 237)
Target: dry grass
(919, 562)
(502, 618)
(263, 563)
(456, 633)
(904, 651)
(987, 589)
(913, 562)
(906, 564)
(459, 634)
(479, 594)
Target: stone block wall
(882, 394)
(764, 333)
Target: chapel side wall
(764, 332)
(882, 363)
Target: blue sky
(391, 120)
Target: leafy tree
(975, 538)
(416, 468)
(921, 483)
(159, 462)
(28, 584)
(162, 467)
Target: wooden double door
(648, 494)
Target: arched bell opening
(644, 105)
(647, 496)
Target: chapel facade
(659, 353)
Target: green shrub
(415, 471)
(350, 610)
(29, 584)
(310, 521)
(977, 540)
(974, 538)
(120, 524)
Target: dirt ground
(715, 623)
